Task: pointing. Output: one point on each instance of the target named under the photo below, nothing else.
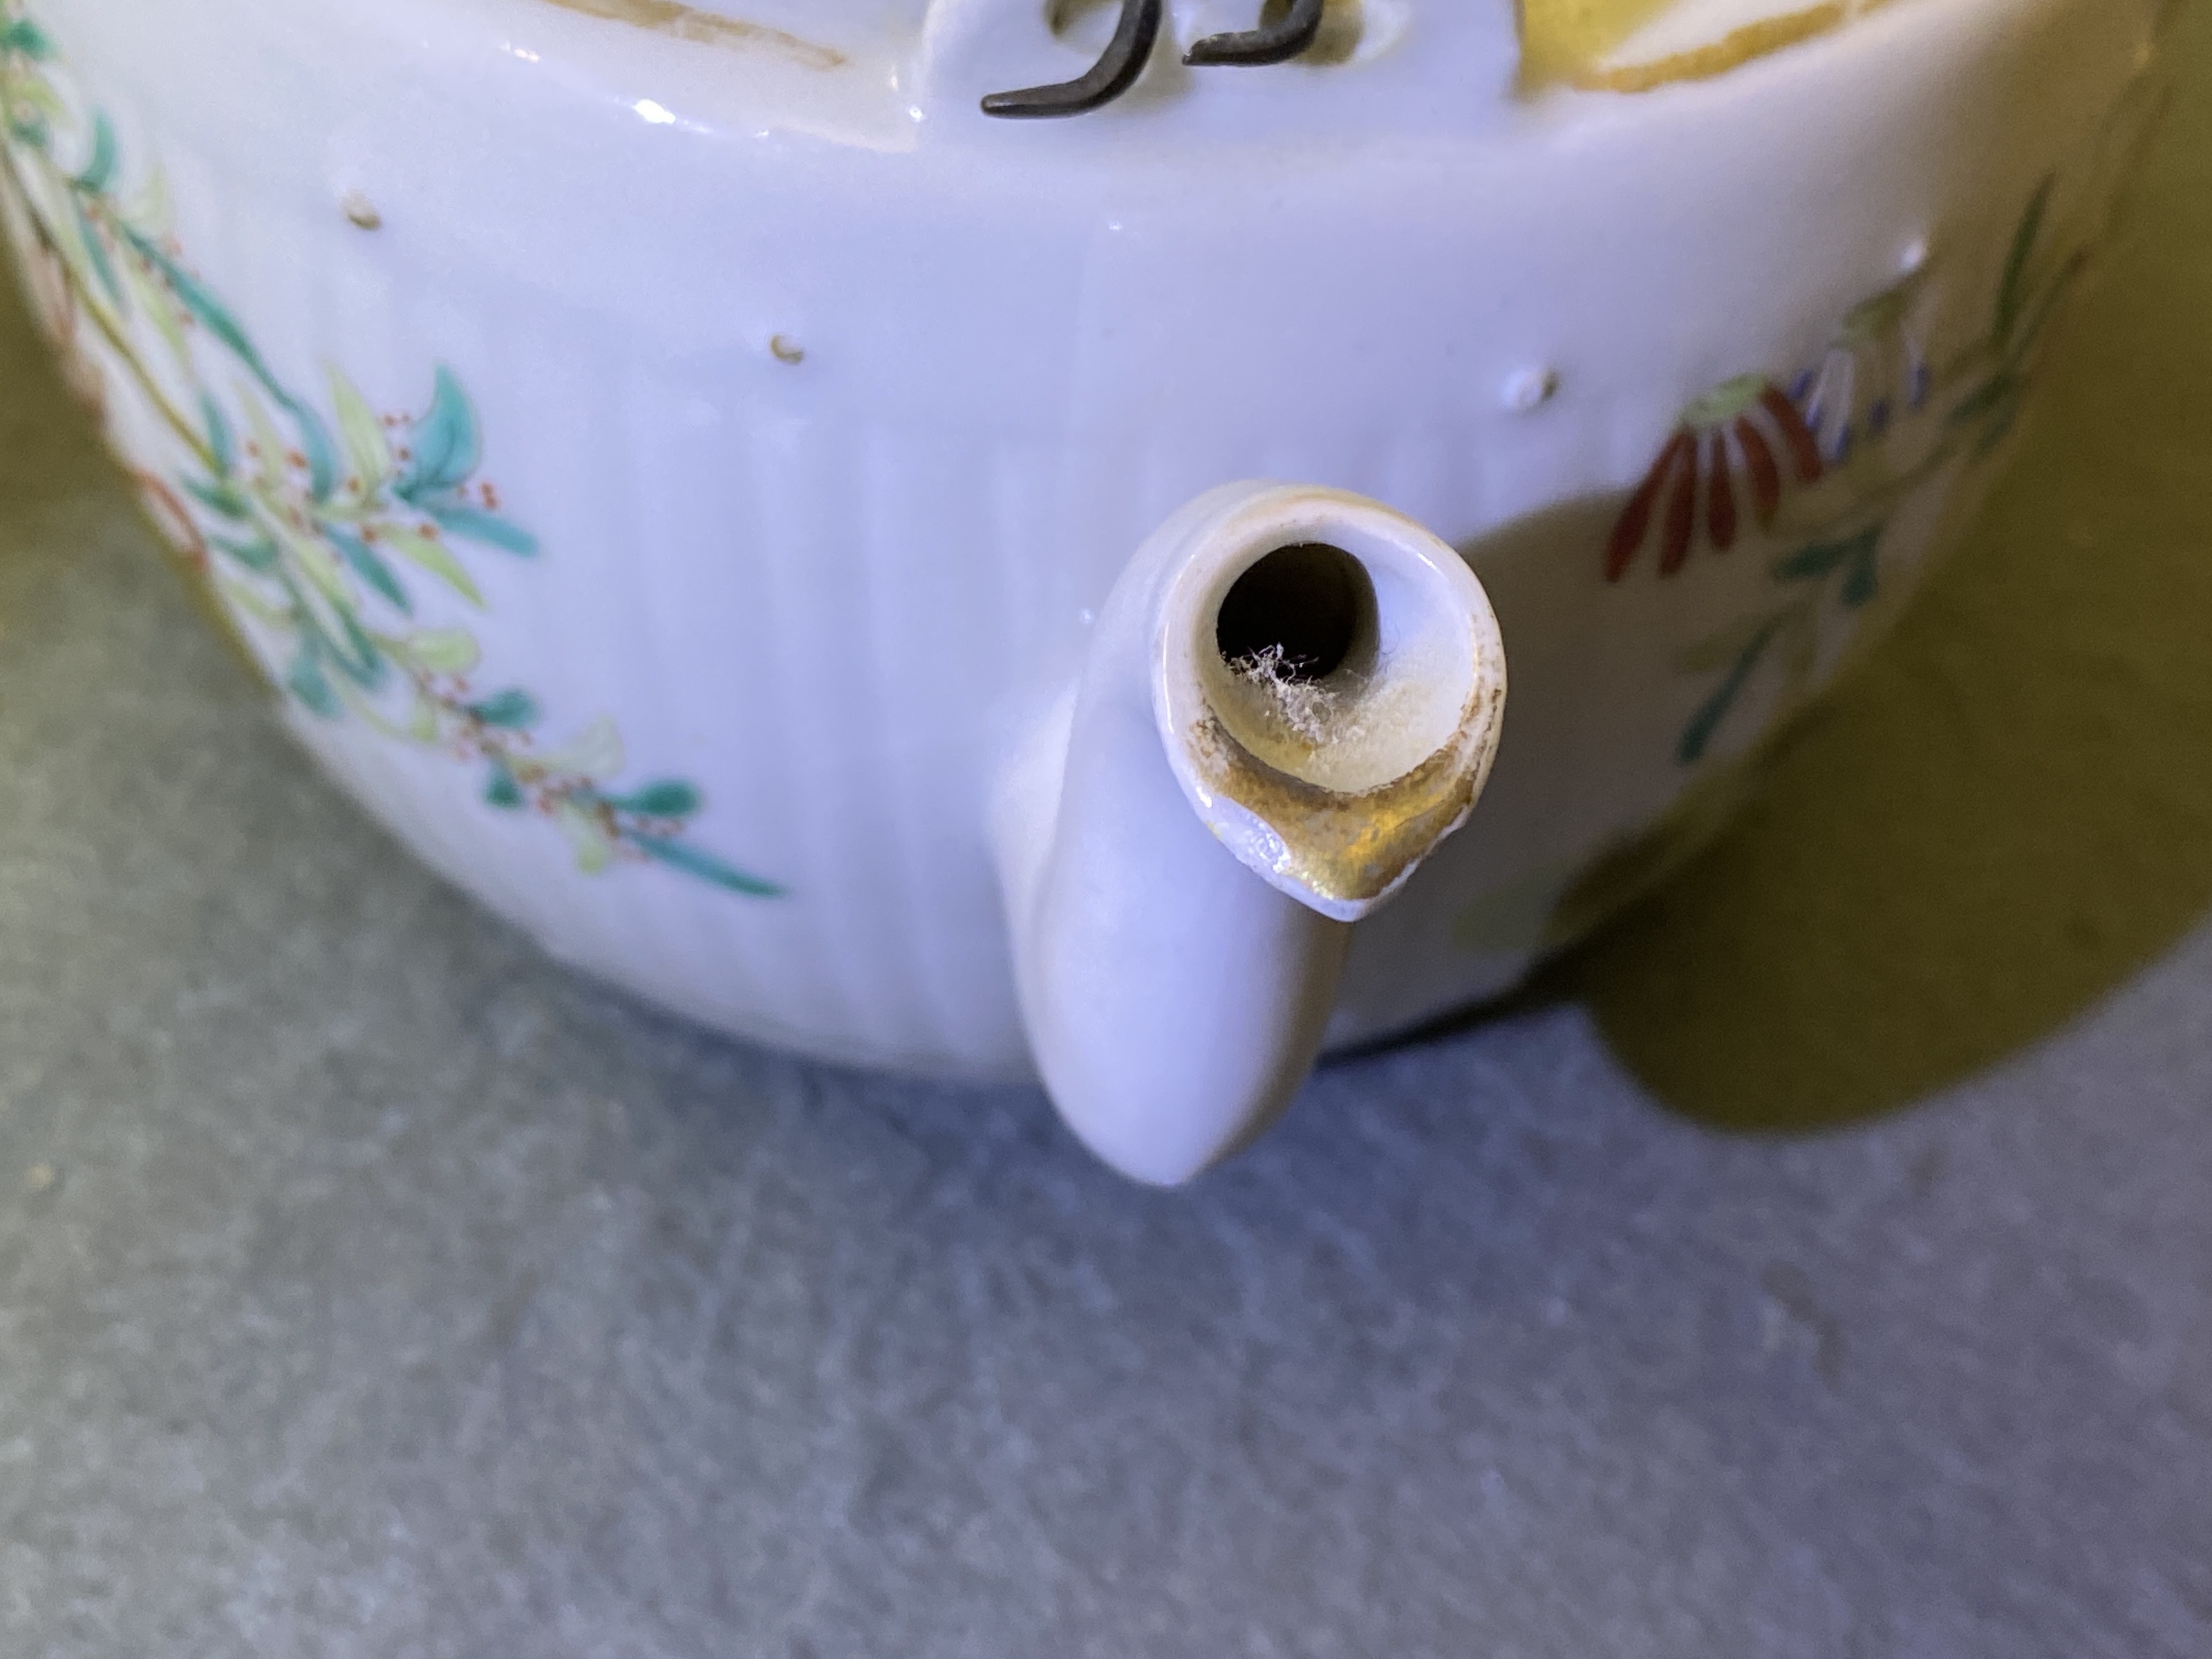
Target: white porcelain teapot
(963, 535)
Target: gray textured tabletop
(1819, 1264)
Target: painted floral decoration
(1875, 373)
(1876, 419)
(331, 532)
(1738, 448)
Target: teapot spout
(1291, 695)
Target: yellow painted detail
(1591, 44)
(1561, 40)
(672, 17)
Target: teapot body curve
(666, 460)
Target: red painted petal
(1681, 517)
(1804, 449)
(1720, 492)
(1635, 523)
(1765, 470)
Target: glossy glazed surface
(821, 413)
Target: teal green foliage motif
(1850, 568)
(318, 531)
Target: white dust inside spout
(1339, 731)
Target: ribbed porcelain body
(832, 409)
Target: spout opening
(1303, 615)
(1337, 662)
(1330, 685)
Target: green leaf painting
(333, 532)
(515, 711)
(2013, 290)
(661, 801)
(446, 449)
(682, 855)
